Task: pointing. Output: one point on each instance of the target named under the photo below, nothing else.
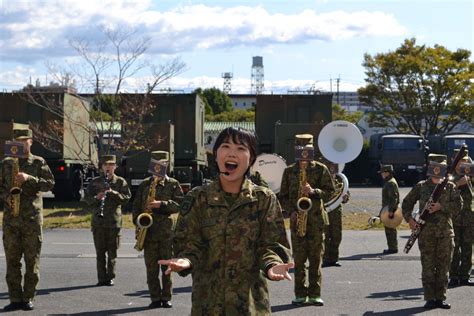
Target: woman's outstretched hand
(280, 271)
(175, 265)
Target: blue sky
(303, 43)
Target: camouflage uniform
(333, 232)
(310, 247)
(463, 236)
(231, 241)
(391, 198)
(158, 240)
(23, 235)
(106, 229)
(436, 239)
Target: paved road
(367, 283)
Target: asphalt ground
(367, 283)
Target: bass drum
(270, 167)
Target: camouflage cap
(386, 168)
(160, 155)
(21, 134)
(108, 159)
(303, 139)
(437, 158)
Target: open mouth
(230, 166)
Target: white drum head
(271, 167)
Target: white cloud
(43, 27)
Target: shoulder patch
(186, 205)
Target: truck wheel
(77, 185)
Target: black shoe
(430, 304)
(466, 282)
(155, 304)
(453, 283)
(166, 304)
(325, 264)
(101, 283)
(28, 306)
(390, 251)
(442, 304)
(13, 306)
(109, 283)
(335, 264)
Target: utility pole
(337, 87)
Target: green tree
(339, 113)
(217, 100)
(238, 115)
(419, 89)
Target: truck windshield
(401, 144)
(453, 143)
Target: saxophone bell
(304, 204)
(144, 220)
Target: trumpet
(145, 220)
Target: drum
(271, 167)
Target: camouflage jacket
(319, 178)
(466, 216)
(390, 194)
(113, 202)
(170, 193)
(31, 202)
(230, 247)
(438, 224)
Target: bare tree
(106, 67)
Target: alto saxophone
(303, 205)
(15, 190)
(145, 220)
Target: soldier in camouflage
(333, 231)
(230, 235)
(23, 235)
(105, 196)
(436, 239)
(390, 199)
(319, 188)
(158, 240)
(463, 230)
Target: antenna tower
(257, 75)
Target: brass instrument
(303, 205)
(342, 187)
(145, 220)
(15, 190)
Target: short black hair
(238, 136)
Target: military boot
(299, 301)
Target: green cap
(303, 140)
(108, 159)
(386, 168)
(437, 158)
(21, 134)
(160, 155)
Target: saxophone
(15, 190)
(303, 205)
(145, 220)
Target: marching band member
(105, 196)
(307, 227)
(23, 219)
(159, 195)
(390, 199)
(436, 239)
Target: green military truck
(447, 143)
(406, 152)
(65, 141)
(178, 121)
(278, 118)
